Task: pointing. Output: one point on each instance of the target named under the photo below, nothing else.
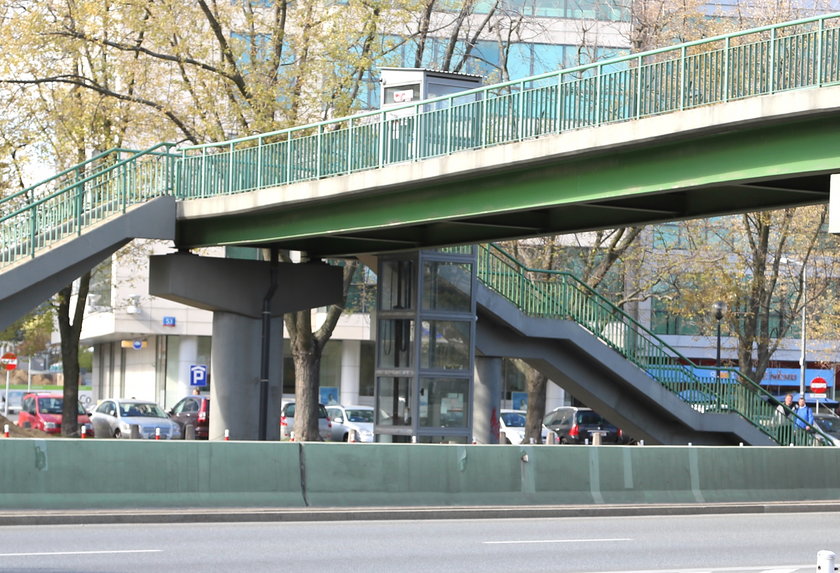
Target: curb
(245, 515)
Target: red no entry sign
(9, 361)
(819, 385)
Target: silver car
(351, 423)
(115, 418)
(287, 422)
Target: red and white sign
(9, 361)
(819, 385)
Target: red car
(192, 411)
(43, 412)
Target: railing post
(820, 40)
(449, 127)
(349, 146)
(638, 88)
(319, 149)
(484, 124)
(230, 169)
(598, 94)
(726, 62)
(382, 119)
(203, 172)
(288, 169)
(259, 162)
(682, 78)
(771, 82)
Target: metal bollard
(825, 562)
(135, 432)
(189, 432)
(596, 438)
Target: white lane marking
(48, 553)
(557, 541)
(756, 568)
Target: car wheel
(346, 437)
(117, 433)
(563, 441)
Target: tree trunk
(307, 358)
(536, 383)
(70, 332)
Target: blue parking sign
(198, 375)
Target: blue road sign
(198, 375)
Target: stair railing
(41, 216)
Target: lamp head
(719, 309)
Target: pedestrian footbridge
(736, 123)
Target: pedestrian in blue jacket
(804, 415)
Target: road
(781, 543)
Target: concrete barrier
(74, 474)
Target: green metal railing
(771, 59)
(789, 56)
(41, 216)
(560, 295)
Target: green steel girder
(762, 166)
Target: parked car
(114, 417)
(192, 411)
(830, 424)
(287, 422)
(351, 423)
(573, 425)
(512, 426)
(43, 412)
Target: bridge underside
(682, 166)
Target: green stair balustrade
(62, 206)
(790, 56)
(561, 296)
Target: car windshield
(289, 410)
(51, 405)
(361, 416)
(513, 420)
(829, 424)
(141, 410)
(589, 418)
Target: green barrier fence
(100, 474)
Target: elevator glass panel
(447, 286)
(393, 401)
(396, 341)
(445, 345)
(396, 285)
(443, 402)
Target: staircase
(554, 321)
(55, 231)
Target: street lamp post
(802, 342)
(719, 308)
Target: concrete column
(187, 356)
(555, 396)
(351, 356)
(235, 374)
(488, 399)
(834, 204)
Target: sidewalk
(237, 514)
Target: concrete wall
(58, 473)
